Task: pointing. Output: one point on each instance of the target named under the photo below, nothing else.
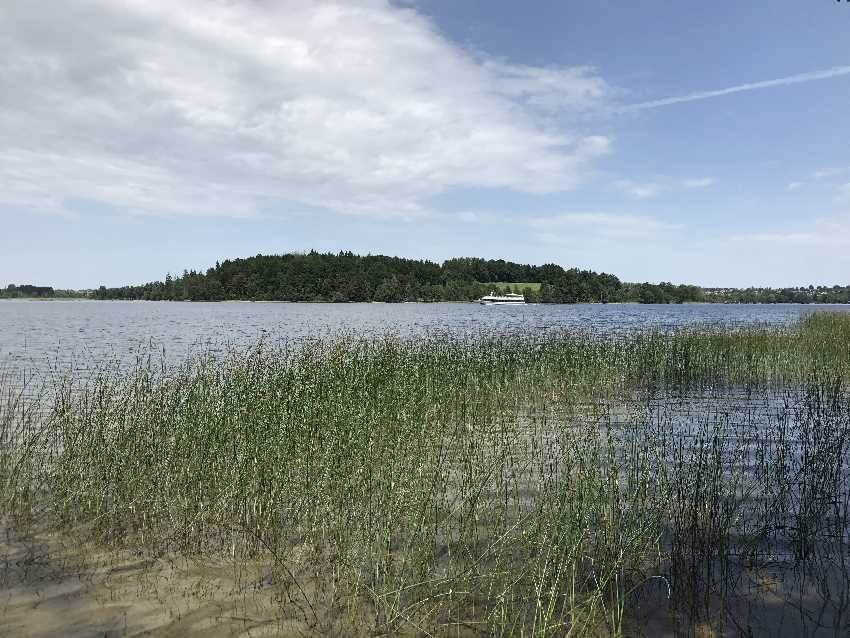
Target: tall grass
(512, 486)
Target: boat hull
(502, 303)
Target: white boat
(511, 299)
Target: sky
(704, 143)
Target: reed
(564, 484)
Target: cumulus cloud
(230, 108)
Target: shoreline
(58, 585)
(429, 303)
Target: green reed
(495, 485)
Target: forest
(346, 277)
(30, 291)
(800, 294)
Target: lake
(38, 335)
(770, 554)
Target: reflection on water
(760, 541)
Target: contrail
(752, 86)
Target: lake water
(41, 336)
(58, 334)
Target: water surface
(58, 334)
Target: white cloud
(829, 171)
(826, 232)
(645, 189)
(473, 216)
(824, 74)
(639, 190)
(575, 226)
(602, 225)
(228, 108)
(699, 182)
(824, 174)
(575, 88)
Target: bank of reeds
(563, 484)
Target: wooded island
(346, 277)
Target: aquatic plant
(563, 484)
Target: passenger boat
(511, 299)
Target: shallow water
(53, 586)
(77, 334)
(768, 588)
(767, 552)
(779, 567)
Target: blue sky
(690, 142)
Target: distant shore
(474, 302)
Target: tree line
(30, 291)
(802, 294)
(344, 277)
(27, 290)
